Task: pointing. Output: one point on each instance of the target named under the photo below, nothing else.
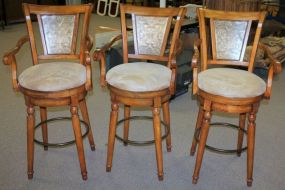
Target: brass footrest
(219, 150)
(140, 143)
(63, 143)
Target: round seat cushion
(231, 83)
(139, 77)
(55, 76)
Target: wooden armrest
(8, 55)
(9, 58)
(88, 84)
(89, 42)
(173, 68)
(195, 60)
(99, 55)
(276, 64)
(274, 67)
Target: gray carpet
(134, 168)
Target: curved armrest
(274, 67)
(173, 68)
(100, 55)
(195, 60)
(89, 42)
(88, 84)
(9, 58)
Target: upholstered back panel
(149, 33)
(230, 39)
(225, 35)
(58, 33)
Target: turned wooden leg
(112, 133)
(78, 139)
(203, 139)
(242, 118)
(85, 116)
(157, 137)
(197, 127)
(126, 124)
(250, 146)
(166, 119)
(43, 113)
(30, 139)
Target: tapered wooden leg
(30, 140)
(112, 133)
(242, 118)
(157, 137)
(85, 116)
(78, 139)
(250, 146)
(203, 139)
(197, 127)
(126, 124)
(43, 113)
(166, 119)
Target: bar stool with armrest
(143, 83)
(61, 76)
(224, 36)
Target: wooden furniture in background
(62, 82)
(226, 89)
(233, 5)
(12, 12)
(143, 84)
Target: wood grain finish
(74, 97)
(158, 99)
(211, 102)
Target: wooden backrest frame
(75, 10)
(204, 14)
(169, 13)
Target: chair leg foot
(249, 182)
(169, 149)
(45, 148)
(84, 176)
(125, 144)
(238, 153)
(160, 177)
(195, 179)
(108, 168)
(30, 175)
(93, 147)
(192, 153)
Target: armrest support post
(9, 58)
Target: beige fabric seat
(231, 83)
(139, 77)
(55, 76)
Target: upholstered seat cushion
(231, 83)
(139, 77)
(55, 76)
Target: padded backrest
(63, 31)
(155, 32)
(58, 33)
(150, 34)
(225, 36)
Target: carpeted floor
(134, 168)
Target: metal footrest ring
(140, 143)
(219, 150)
(63, 143)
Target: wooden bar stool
(224, 36)
(143, 83)
(62, 81)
